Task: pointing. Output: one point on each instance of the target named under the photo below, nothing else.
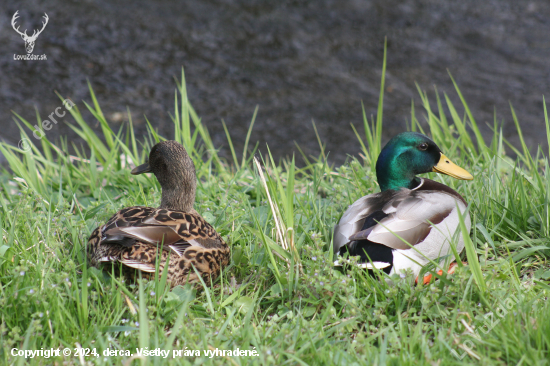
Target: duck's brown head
(175, 171)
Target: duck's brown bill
(143, 168)
(446, 166)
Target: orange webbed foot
(428, 277)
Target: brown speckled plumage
(137, 236)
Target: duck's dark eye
(423, 146)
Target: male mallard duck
(420, 211)
(134, 235)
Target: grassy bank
(280, 297)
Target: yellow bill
(446, 166)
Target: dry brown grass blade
(274, 209)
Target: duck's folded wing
(411, 220)
(170, 229)
(363, 215)
(147, 234)
(161, 236)
(190, 227)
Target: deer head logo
(29, 40)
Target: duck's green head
(409, 154)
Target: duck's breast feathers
(176, 230)
(398, 218)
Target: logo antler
(29, 40)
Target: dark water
(299, 61)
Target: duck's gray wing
(366, 210)
(409, 220)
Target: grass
(280, 296)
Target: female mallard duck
(135, 235)
(412, 220)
